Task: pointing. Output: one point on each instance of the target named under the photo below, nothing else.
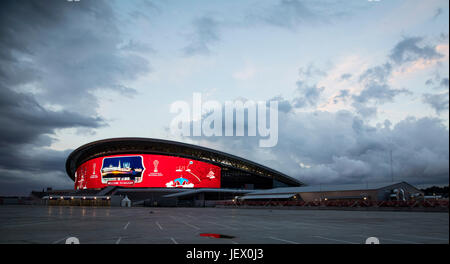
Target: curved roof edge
(94, 149)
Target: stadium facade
(156, 163)
(157, 172)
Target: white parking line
(173, 240)
(160, 227)
(391, 239)
(283, 240)
(179, 220)
(234, 242)
(59, 240)
(424, 237)
(397, 240)
(318, 226)
(126, 226)
(336, 240)
(255, 226)
(229, 227)
(25, 224)
(118, 240)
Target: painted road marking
(173, 240)
(336, 240)
(59, 240)
(424, 237)
(160, 227)
(126, 226)
(27, 224)
(118, 240)
(179, 220)
(283, 240)
(229, 227)
(391, 239)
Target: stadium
(149, 169)
(155, 172)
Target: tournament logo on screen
(189, 177)
(125, 170)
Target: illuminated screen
(146, 170)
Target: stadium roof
(132, 145)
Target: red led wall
(146, 170)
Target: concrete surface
(54, 224)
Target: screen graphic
(146, 170)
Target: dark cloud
(381, 93)
(64, 49)
(409, 49)
(205, 33)
(311, 71)
(342, 96)
(437, 82)
(444, 82)
(376, 88)
(324, 147)
(377, 74)
(24, 121)
(25, 129)
(346, 76)
(290, 14)
(437, 13)
(283, 104)
(439, 102)
(17, 182)
(54, 56)
(309, 95)
(364, 110)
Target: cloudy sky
(354, 81)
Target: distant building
(400, 191)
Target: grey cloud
(64, 48)
(409, 49)
(290, 14)
(342, 96)
(342, 148)
(205, 33)
(137, 46)
(439, 102)
(13, 182)
(283, 104)
(444, 82)
(309, 95)
(375, 86)
(378, 74)
(382, 93)
(438, 12)
(311, 71)
(25, 128)
(365, 111)
(346, 76)
(24, 121)
(63, 52)
(437, 82)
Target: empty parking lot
(52, 225)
